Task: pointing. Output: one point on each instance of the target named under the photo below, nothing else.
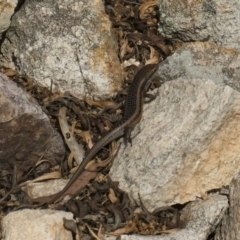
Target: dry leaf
(92, 232)
(42, 161)
(100, 103)
(73, 126)
(69, 138)
(123, 48)
(86, 136)
(10, 72)
(154, 56)
(101, 178)
(47, 176)
(70, 160)
(112, 197)
(129, 228)
(143, 8)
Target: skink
(132, 116)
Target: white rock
(36, 224)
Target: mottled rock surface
(69, 43)
(188, 144)
(44, 188)
(203, 60)
(35, 224)
(192, 20)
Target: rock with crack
(229, 227)
(67, 43)
(198, 220)
(188, 144)
(26, 134)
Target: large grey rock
(192, 20)
(188, 144)
(25, 131)
(67, 42)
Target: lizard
(131, 117)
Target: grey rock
(214, 21)
(44, 188)
(25, 131)
(199, 219)
(7, 8)
(230, 226)
(203, 60)
(188, 144)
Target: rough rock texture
(69, 42)
(193, 20)
(189, 144)
(203, 60)
(198, 219)
(25, 131)
(36, 224)
(44, 188)
(230, 226)
(7, 8)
